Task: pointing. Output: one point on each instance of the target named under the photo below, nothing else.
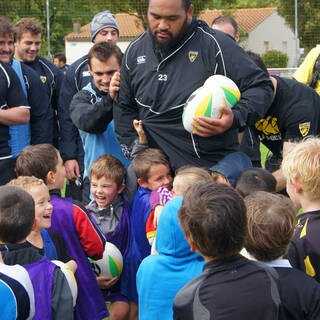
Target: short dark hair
(255, 179)
(271, 223)
(147, 158)
(224, 20)
(25, 25)
(258, 61)
(16, 214)
(37, 160)
(5, 26)
(103, 51)
(213, 215)
(186, 4)
(109, 167)
(60, 56)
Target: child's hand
(157, 212)
(105, 282)
(114, 85)
(137, 124)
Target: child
(174, 264)
(53, 299)
(49, 243)
(112, 214)
(213, 219)
(301, 168)
(73, 222)
(16, 292)
(271, 222)
(151, 167)
(255, 179)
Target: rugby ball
(70, 278)
(206, 101)
(111, 263)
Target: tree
(308, 20)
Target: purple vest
(41, 275)
(90, 303)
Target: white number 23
(162, 77)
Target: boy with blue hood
(175, 264)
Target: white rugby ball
(111, 263)
(207, 100)
(70, 278)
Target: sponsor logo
(193, 55)
(304, 128)
(141, 60)
(43, 79)
(268, 126)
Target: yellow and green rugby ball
(216, 92)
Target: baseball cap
(102, 20)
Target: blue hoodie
(160, 277)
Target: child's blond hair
(192, 175)
(26, 182)
(303, 164)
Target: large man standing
(27, 37)
(103, 28)
(164, 65)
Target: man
(27, 37)
(250, 144)
(60, 61)
(91, 108)
(164, 65)
(103, 28)
(308, 71)
(36, 131)
(227, 25)
(293, 115)
(14, 110)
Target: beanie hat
(102, 20)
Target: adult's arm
(125, 111)
(69, 133)
(14, 108)
(91, 115)
(255, 86)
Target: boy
(213, 218)
(271, 222)
(49, 243)
(255, 179)
(53, 299)
(302, 171)
(73, 222)
(112, 214)
(151, 167)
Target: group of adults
(159, 70)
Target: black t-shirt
(11, 95)
(304, 249)
(300, 295)
(294, 114)
(60, 245)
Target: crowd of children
(189, 240)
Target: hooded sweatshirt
(161, 276)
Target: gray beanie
(102, 20)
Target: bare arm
(14, 116)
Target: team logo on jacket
(43, 79)
(141, 60)
(193, 55)
(304, 128)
